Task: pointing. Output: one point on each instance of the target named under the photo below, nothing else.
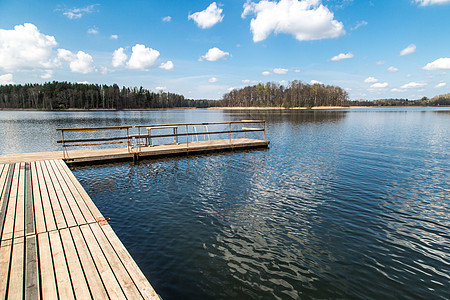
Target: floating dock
(55, 243)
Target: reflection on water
(344, 204)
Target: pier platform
(55, 243)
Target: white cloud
(25, 48)
(209, 17)
(379, 85)
(360, 24)
(413, 84)
(160, 88)
(104, 70)
(397, 90)
(246, 81)
(439, 85)
(114, 36)
(82, 63)
(213, 79)
(265, 73)
(77, 13)
(167, 65)
(306, 20)
(83, 82)
(315, 82)
(297, 71)
(47, 75)
(119, 57)
(432, 2)
(408, 50)
(283, 82)
(370, 80)
(214, 54)
(342, 56)
(380, 62)
(167, 19)
(392, 69)
(6, 79)
(93, 30)
(439, 64)
(280, 71)
(142, 57)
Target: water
(344, 204)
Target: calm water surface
(344, 204)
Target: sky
(203, 49)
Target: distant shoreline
(310, 108)
(94, 109)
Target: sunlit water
(344, 204)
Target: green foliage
(64, 95)
(296, 94)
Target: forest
(64, 95)
(440, 100)
(295, 94)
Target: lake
(344, 204)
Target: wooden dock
(110, 154)
(55, 243)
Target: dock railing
(95, 141)
(189, 131)
(146, 134)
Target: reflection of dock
(56, 244)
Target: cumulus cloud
(25, 48)
(306, 19)
(280, 71)
(78, 63)
(342, 56)
(370, 80)
(160, 88)
(213, 79)
(207, 18)
(378, 85)
(265, 73)
(439, 64)
(315, 82)
(167, 65)
(408, 50)
(441, 84)
(167, 19)
(397, 90)
(77, 13)
(114, 36)
(142, 57)
(432, 2)
(214, 54)
(392, 69)
(119, 57)
(413, 84)
(6, 79)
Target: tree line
(440, 100)
(65, 95)
(295, 94)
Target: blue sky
(203, 49)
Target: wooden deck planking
(108, 154)
(44, 256)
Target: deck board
(55, 243)
(109, 154)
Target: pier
(54, 242)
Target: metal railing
(135, 142)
